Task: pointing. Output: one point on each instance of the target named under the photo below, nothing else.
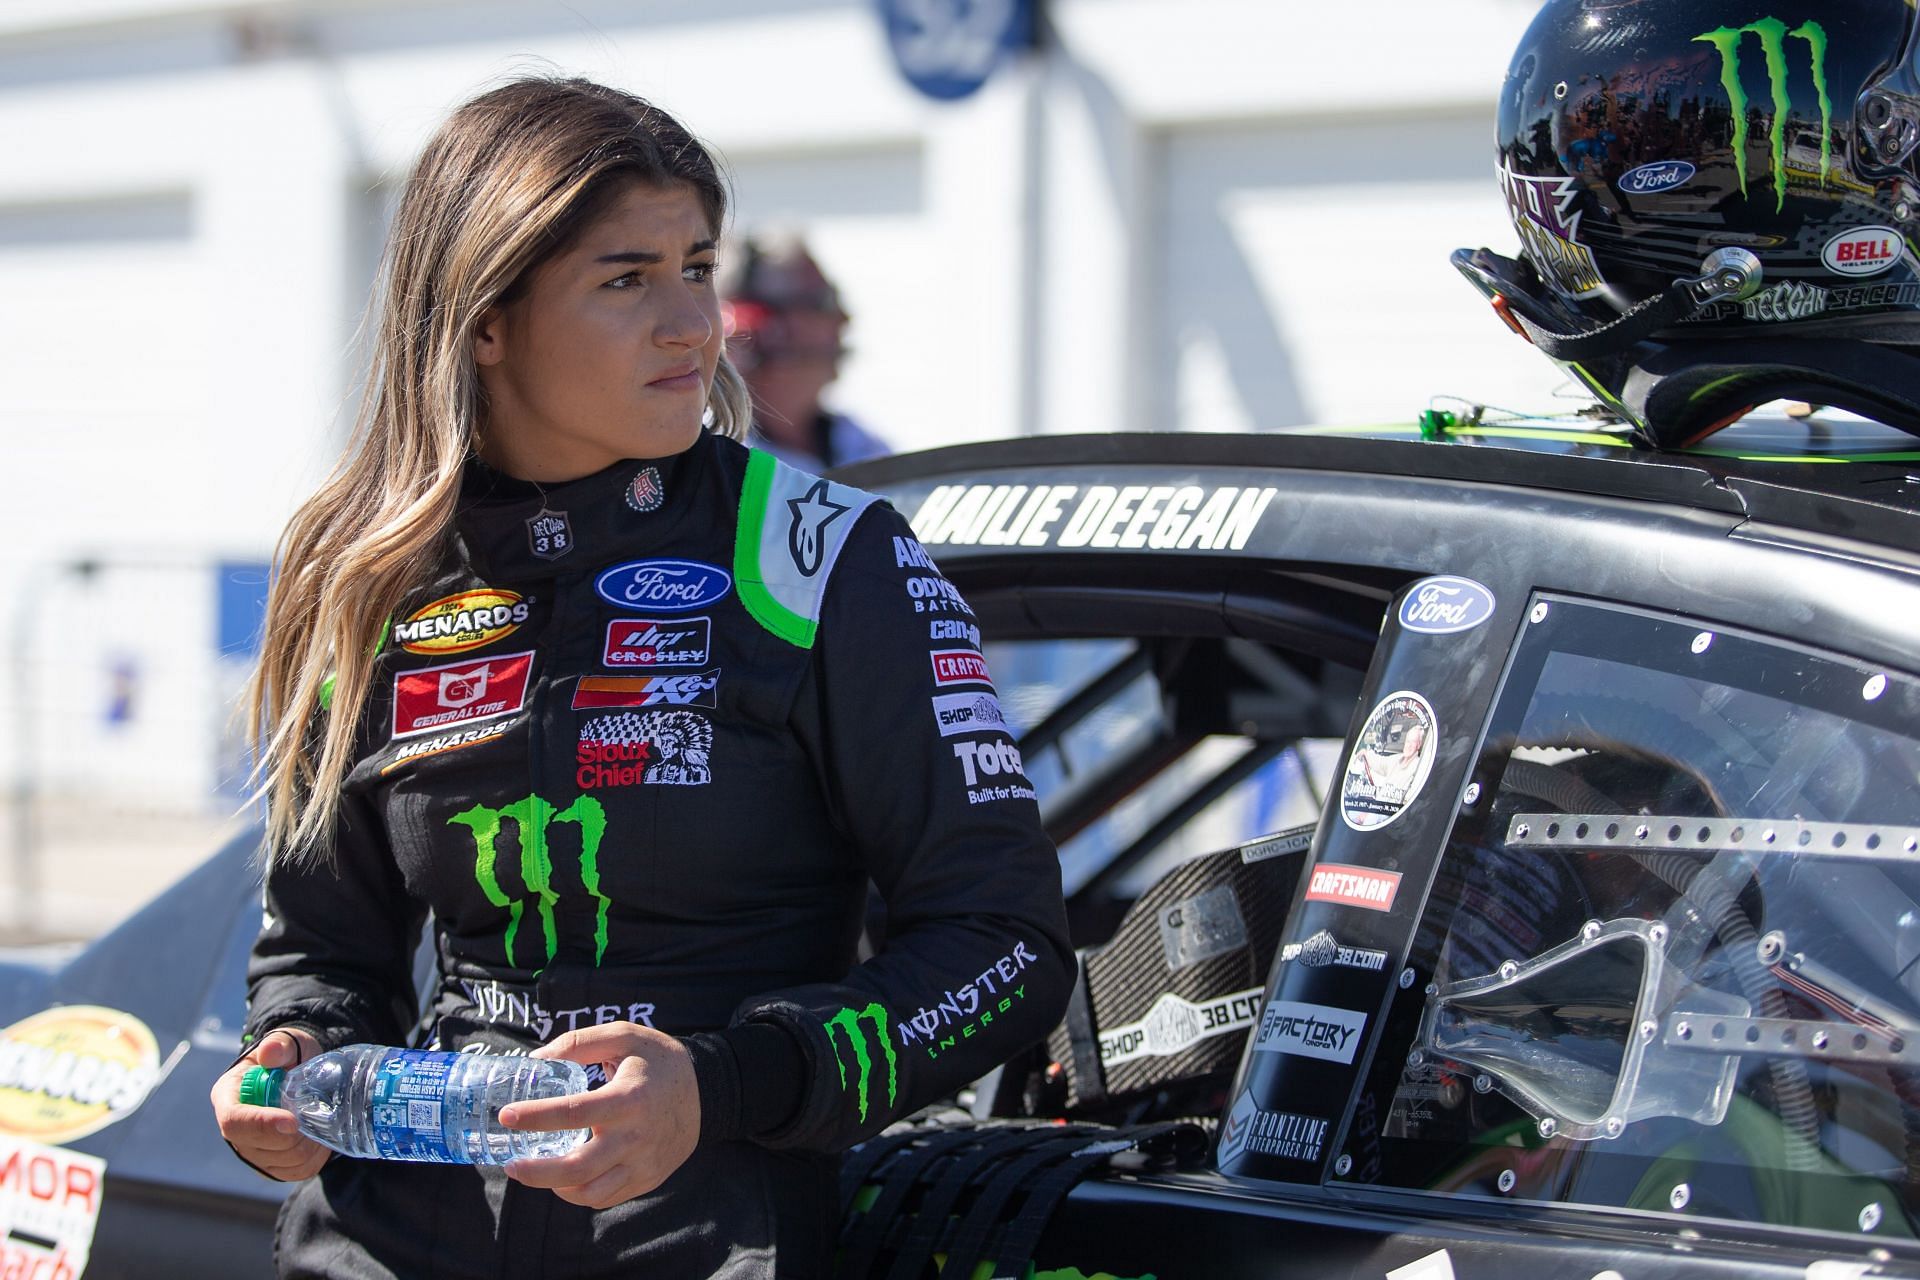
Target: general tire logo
(433, 698)
(532, 819)
(1310, 1031)
(864, 1031)
(812, 512)
(1772, 36)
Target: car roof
(1849, 478)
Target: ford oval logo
(1661, 175)
(667, 586)
(1439, 606)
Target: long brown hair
(508, 182)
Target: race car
(1599, 948)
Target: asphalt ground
(85, 868)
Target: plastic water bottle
(419, 1104)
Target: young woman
(635, 714)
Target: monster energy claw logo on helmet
(1773, 35)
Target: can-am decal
(1863, 251)
(463, 621)
(68, 1071)
(1353, 886)
(658, 642)
(1160, 517)
(1661, 175)
(669, 586)
(1174, 1024)
(1390, 762)
(459, 693)
(1442, 605)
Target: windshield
(1670, 957)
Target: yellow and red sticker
(68, 1071)
(462, 621)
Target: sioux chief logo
(457, 623)
(852, 1023)
(533, 819)
(1773, 35)
(1549, 228)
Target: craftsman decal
(1443, 605)
(1353, 886)
(1390, 762)
(658, 642)
(1310, 1031)
(68, 1071)
(457, 623)
(664, 586)
(532, 820)
(1175, 1024)
(1161, 517)
(959, 666)
(459, 692)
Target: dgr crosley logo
(66, 1072)
(463, 621)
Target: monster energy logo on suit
(533, 817)
(850, 1022)
(1773, 35)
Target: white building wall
(1185, 215)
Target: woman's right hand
(268, 1138)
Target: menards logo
(466, 620)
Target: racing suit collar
(515, 528)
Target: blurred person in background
(786, 332)
(660, 876)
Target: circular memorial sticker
(67, 1071)
(1390, 762)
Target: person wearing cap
(786, 332)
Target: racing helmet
(776, 302)
(1716, 202)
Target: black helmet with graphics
(1716, 202)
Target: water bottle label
(409, 1096)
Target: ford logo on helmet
(664, 586)
(1661, 175)
(1440, 606)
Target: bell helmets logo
(1863, 251)
(663, 586)
(1353, 886)
(463, 621)
(658, 642)
(959, 666)
(459, 693)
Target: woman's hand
(645, 1118)
(268, 1138)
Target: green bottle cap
(260, 1087)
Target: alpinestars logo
(852, 1024)
(533, 818)
(1773, 36)
(812, 513)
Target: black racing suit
(639, 749)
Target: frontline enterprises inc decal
(1161, 517)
